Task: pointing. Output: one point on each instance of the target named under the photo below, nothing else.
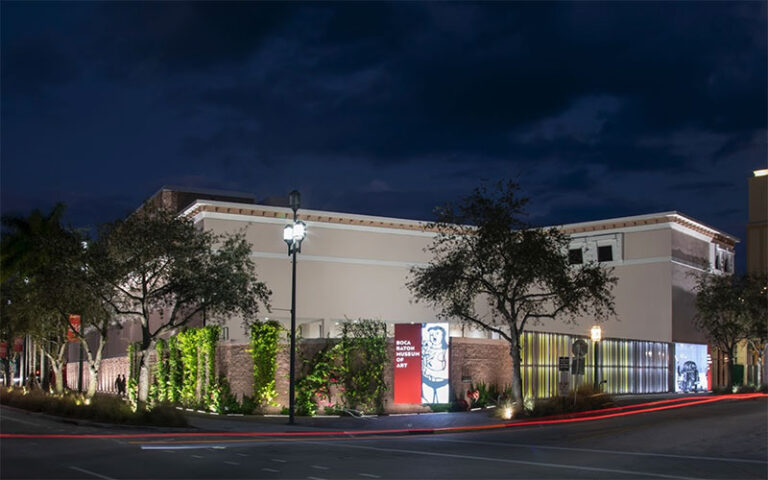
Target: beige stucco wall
(348, 272)
(642, 297)
(647, 244)
(684, 305)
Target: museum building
(356, 267)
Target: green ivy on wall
(355, 366)
(363, 352)
(161, 371)
(132, 387)
(185, 369)
(323, 372)
(264, 345)
(175, 371)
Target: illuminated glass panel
(628, 366)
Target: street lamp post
(293, 234)
(597, 334)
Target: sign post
(579, 349)
(563, 365)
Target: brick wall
(475, 360)
(471, 361)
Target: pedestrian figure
(120, 385)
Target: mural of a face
(434, 364)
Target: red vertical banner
(3, 349)
(74, 322)
(407, 363)
(18, 344)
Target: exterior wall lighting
(597, 333)
(293, 235)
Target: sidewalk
(279, 424)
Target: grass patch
(101, 408)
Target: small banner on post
(74, 322)
(3, 349)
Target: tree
(732, 309)
(44, 281)
(163, 272)
(34, 250)
(485, 255)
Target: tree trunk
(517, 378)
(59, 372)
(94, 367)
(143, 393)
(57, 367)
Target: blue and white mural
(691, 368)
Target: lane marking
(614, 452)
(270, 470)
(279, 460)
(231, 463)
(505, 460)
(315, 478)
(88, 472)
(197, 456)
(368, 475)
(319, 467)
(170, 446)
(243, 454)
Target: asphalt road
(724, 440)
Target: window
(575, 256)
(605, 254)
(224, 333)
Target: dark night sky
(597, 109)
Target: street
(723, 440)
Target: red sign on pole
(407, 363)
(18, 344)
(3, 349)
(74, 322)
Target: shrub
(483, 395)
(744, 389)
(585, 399)
(101, 408)
(440, 407)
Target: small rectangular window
(605, 254)
(575, 257)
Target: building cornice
(660, 220)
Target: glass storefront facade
(627, 366)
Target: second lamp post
(597, 335)
(293, 235)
